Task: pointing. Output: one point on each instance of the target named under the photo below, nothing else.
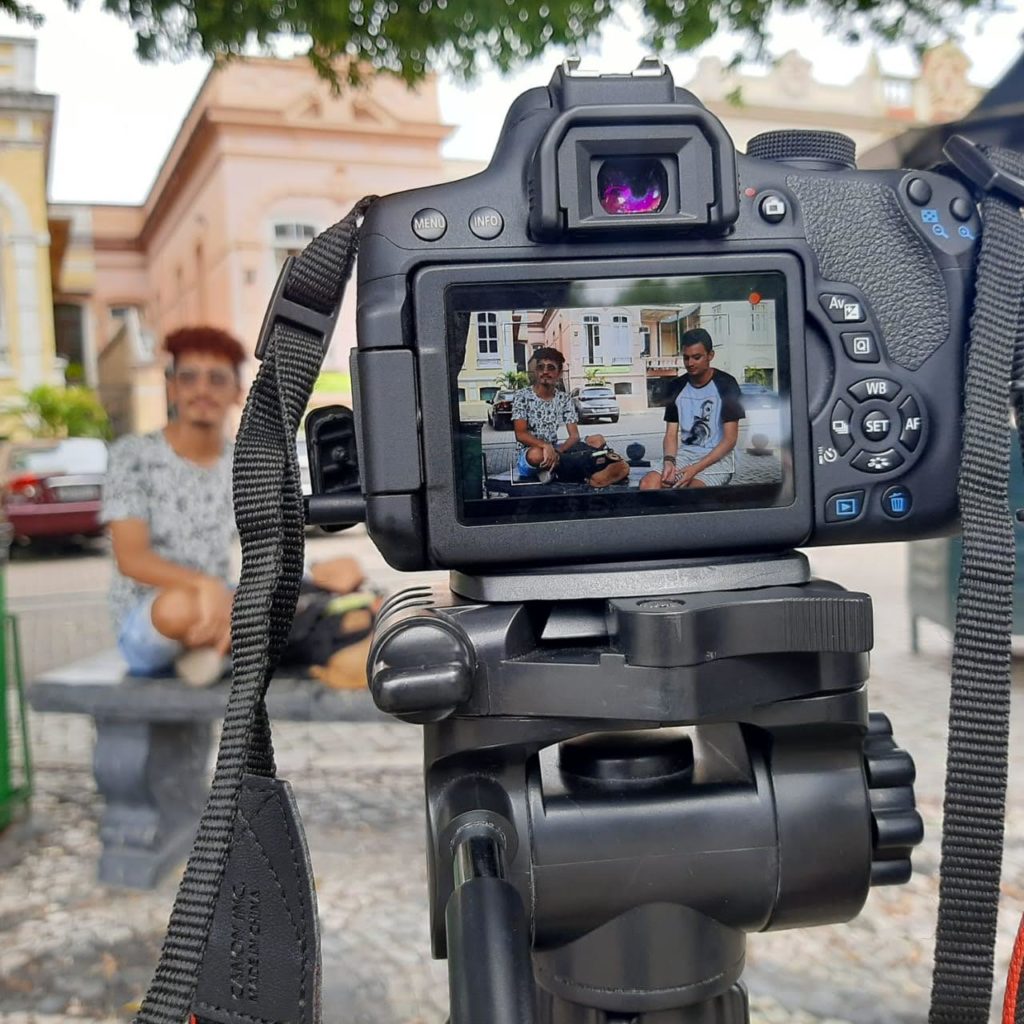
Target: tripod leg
(490, 975)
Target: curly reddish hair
(208, 340)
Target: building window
(592, 326)
(645, 341)
(69, 329)
(623, 387)
(487, 333)
(462, 394)
(487, 394)
(289, 240)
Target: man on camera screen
(538, 412)
(702, 421)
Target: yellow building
(27, 348)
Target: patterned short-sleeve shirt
(543, 417)
(187, 508)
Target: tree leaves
(409, 38)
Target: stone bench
(153, 745)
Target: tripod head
(619, 789)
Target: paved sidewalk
(73, 950)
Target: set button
(877, 425)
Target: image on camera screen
(620, 396)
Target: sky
(117, 117)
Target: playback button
(844, 507)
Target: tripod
(620, 788)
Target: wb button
(842, 507)
(897, 502)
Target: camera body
(614, 218)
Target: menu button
(429, 224)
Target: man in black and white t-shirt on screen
(701, 421)
(538, 414)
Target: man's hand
(550, 459)
(213, 616)
(686, 475)
(668, 474)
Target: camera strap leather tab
(262, 962)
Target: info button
(486, 222)
(843, 507)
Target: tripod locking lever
(489, 968)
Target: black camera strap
(259, 919)
(979, 716)
(250, 829)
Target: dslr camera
(615, 220)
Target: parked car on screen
(595, 402)
(499, 412)
(53, 489)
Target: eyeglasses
(218, 379)
(548, 366)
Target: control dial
(819, 150)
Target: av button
(910, 424)
(429, 224)
(875, 387)
(842, 309)
(486, 222)
(843, 507)
(839, 426)
(897, 502)
(877, 462)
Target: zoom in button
(844, 507)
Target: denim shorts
(523, 468)
(147, 651)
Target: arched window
(290, 239)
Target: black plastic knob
(822, 150)
(896, 826)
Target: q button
(486, 222)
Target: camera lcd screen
(628, 396)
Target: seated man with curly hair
(167, 502)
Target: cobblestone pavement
(73, 950)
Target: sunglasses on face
(218, 379)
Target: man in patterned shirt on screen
(701, 421)
(538, 414)
(167, 502)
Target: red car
(53, 489)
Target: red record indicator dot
(754, 298)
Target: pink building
(266, 158)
